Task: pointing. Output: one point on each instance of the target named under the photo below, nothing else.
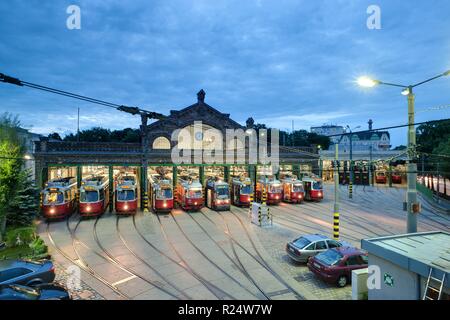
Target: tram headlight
(52, 210)
(125, 207)
(165, 204)
(88, 208)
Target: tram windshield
(246, 190)
(317, 185)
(275, 188)
(194, 193)
(88, 196)
(297, 188)
(125, 195)
(164, 193)
(222, 190)
(53, 197)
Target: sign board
(388, 280)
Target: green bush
(20, 236)
(38, 246)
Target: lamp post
(411, 193)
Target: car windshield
(317, 185)
(88, 195)
(125, 195)
(275, 188)
(329, 257)
(195, 193)
(222, 190)
(301, 242)
(297, 188)
(246, 190)
(53, 197)
(381, 174)
(30, 293)
(165, 193)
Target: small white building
(407, 262)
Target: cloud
(266, 59)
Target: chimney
(201, 96)
(370, 124)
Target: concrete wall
(406, 283)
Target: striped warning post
(350, 189)
(145, 201)
(264, 196)
(336, 226)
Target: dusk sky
(276, 61)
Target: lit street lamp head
(367, 82)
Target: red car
(396, 178)
(336, 265)
(380, 177)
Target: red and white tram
(94, 196)
(313, 188)
(161, 194)
(126, 195)
(272, 188)
(189, 194)
(217, 194)
(293, 191)
(59, 198)
(241, 190)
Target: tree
(11, 160)
(399, 148)
(54, 136)
(433, 141)
(24, 206)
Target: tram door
(209, 198)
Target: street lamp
(411, 193)
(350, 184)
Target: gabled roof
(201, 107)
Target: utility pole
(350, 183)
(370, 166)
(78, 125)
(336, 194)
(411, 192)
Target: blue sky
(276, 61)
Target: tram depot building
(54, 159)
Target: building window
(161, 143)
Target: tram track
(258, 256)
(239, 263)
(213, 289)
(206, 256)
(118, 263)
(126, 244)
(426, 220)
(83, 265)
(290, 212)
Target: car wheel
(342, 281)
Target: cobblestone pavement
(84, 292)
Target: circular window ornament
(199, 136)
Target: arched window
(161, 143)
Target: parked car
(336, 265)
(396, 178)
(305, 247)
(25, 272)
(380, 177)
(39, 292)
